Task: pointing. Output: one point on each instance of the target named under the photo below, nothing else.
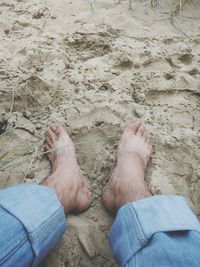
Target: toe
(58, 129)
(149, 145)
(148, 141)
(49, 142)
(51, 135)
(141, 130)
(145, 136)
(54, 127)
(47, 147)
(134, 125)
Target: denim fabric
(31, 222)
(156, 231)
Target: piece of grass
(179, 6)
(92, 2)
(3, 156)
(13, 99)
(173, 21)
(10, 164)
(130, 4)
(32, 159)
(154, 3)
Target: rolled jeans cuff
(40, 212)
(137, 222)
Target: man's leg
(148, 231)
(32, 216)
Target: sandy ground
(93, 71)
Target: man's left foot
(126, 183)
(66, 178)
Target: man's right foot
(127, 183)
(66, 178)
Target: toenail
(53, 128)
(135, 123)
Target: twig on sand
(3, 155)
(179, 6)
(22, 70)
(154, 3)
(13, 99)
(172, 21)
(35, 155)
(32, 159)
(130, 4)
(92, 5)
(8, 166)
(158, 100)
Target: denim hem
(137, 222)
(44, 228)
(164, 214)
(40, 213)
(31, 204)
(44, 239)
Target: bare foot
(66, 178)
(127, 183)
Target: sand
(93, 68)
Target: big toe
(133, 126)
(141, 130)
(57, 129)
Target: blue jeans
(156, 231)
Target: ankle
(130, 200)
(132, 194)
(66, 198)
